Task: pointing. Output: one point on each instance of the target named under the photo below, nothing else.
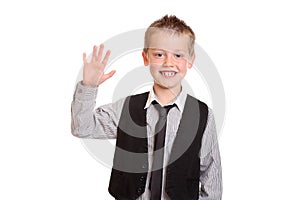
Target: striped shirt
(102, 122)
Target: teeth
(168, 73)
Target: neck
(166, 95)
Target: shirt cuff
(85, 93)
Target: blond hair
(172, 25)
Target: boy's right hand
(93, 71)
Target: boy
(166, 144)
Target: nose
(168, 61)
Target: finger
(106, 58)
(107, 76)
(94, 53)
(84, 57)
(99, 57)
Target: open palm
(93, 71)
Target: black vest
(130, 167)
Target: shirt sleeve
(88, 122)
(210, 163)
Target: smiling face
(168, 57)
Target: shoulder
(201, 103)
(136, 101)
(141, 97)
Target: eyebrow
(179, 50)
(175, 51)
(156, 49)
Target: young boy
(166, 144)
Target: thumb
(107, 76)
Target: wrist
(89, 85)
(85, 93)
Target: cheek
(154, 67)
(183, 68)
(153, 70)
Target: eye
(158, 55)
(178, 56)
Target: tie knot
(163, 111)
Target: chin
(167, 86)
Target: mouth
(168, 74)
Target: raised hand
(93, 71)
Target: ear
(145, 58)
(191, 61)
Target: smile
(168, 74)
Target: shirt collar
(179, 101)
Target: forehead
(169, 41)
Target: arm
(210, 163)
(87, 122)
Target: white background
(254, 45)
